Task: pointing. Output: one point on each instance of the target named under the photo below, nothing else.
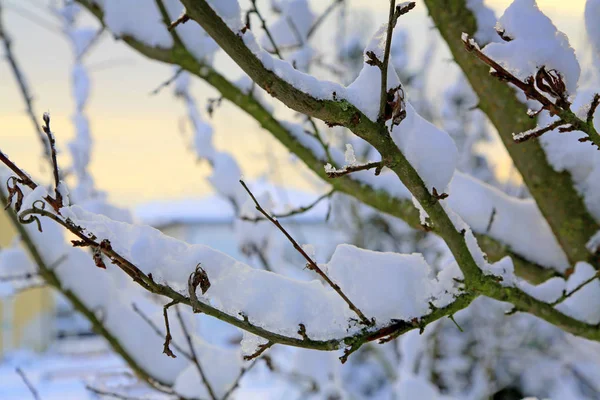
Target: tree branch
(554, 192)
(195, 358)
(376, 198)
(311, 264)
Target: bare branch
(315, 26)
(27, 382)
(394, 14)
(263, 24)
(182, 19)
(20, 277)
(311, 264)
(167, 82)
(114, 395)
(333, 173)
(261, 349)
(386, 59)
(566, 295)
(52, 144)
(236, 383)
(158, 332)
(195, 359)
(166, 349)
(534, 133)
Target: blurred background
(143, 158)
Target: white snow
(536, 43)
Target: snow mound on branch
(581, 160)
(535, 43)
(517, 223)
(272, 301)
(385, 285)
(583, 304)
(220, 366)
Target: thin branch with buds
(583, 284)
(545, 83)
(293, 212)
(158, 332)
(311, 264)
(27, 382)
(52, 146)
(195, 358)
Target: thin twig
(158, 332)
(386, 59)
(236, 383)
(378, 165)
(20, 277)
(311, 264)
(91, 43)
(182, 19)
(31, 388)
(293, 212)
(167, 82)
(566, 295)
(24, 178)
(254, 10)
(166, 349)
(537, 132)
(317, 135)
(195, 359)
(322, 17)
(52, 144)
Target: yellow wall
(25, 318)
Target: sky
(140, 153)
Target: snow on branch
(541, 64)
(235, 289)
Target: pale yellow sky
(139, 153)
